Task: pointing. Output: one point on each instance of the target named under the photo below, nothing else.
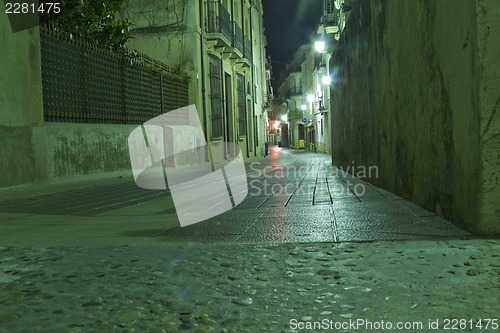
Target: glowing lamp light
(326, 80)
(310, 98)
(284, 118)
(303, 107)
(319, 46)
(276, 124)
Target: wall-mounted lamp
(319, 46)
(326, 80)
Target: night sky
(288, 24)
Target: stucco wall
(407, 100)
(21, 113)
(86, 149)
(489, 101)
(32, 151)
(22, 159)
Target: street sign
(304, 120)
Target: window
(330, 12)
(329, 6)
(242, 109)
(216, 97)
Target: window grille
(216, 97)
(242, 105)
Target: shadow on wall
(407, 102)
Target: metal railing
(87, 84)
(218, 19)
(238, 37)
(248, 48)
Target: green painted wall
(32, 151)
(21, 113)
(409, 100)
(86, 149)
(488, 24)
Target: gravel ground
(222, 287)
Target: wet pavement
(294, 196)
(310, 245)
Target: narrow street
(308, 246)
(248, 166)
(293, 197)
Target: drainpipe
(253, 84)
(245, 82)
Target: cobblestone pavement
(201, 287)
(310, 247)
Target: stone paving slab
(299, 199)
(264, 266)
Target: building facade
(220, 44)
(305, 89)
(291, 91)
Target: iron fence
(86, 84)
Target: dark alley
(247, 166)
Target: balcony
(237, 37)
(331, 16)
(218, 24)
(332, 23)
(235, 50)
(247, 45)
(241, 48)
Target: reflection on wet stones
(223, 294)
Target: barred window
(242, 105)
(329, 7)
(216, 97)
(331, 11)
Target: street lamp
(326, 80)
(319, 46)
